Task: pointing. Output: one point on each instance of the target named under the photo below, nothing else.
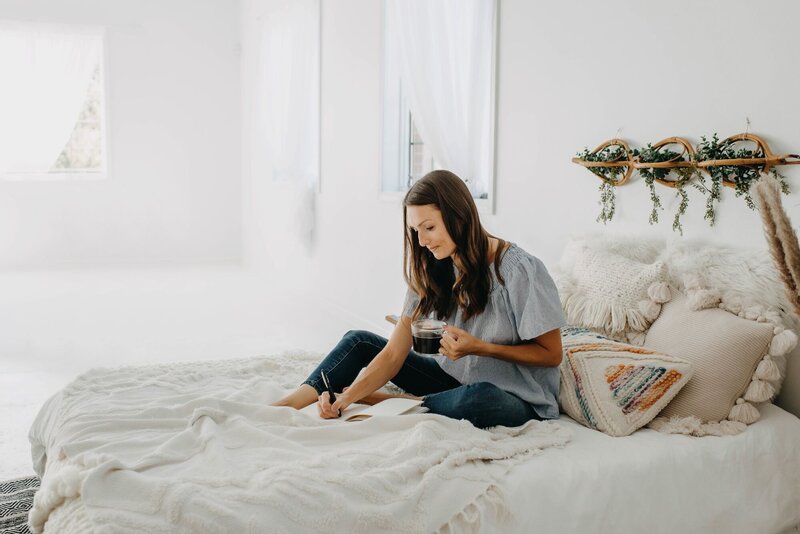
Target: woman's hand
(457, 343)
(332, 411)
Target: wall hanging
(735, 162)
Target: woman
(498, 359)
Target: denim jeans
(482, 404)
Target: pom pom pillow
(612, 293)
(615, 387)
(732, 357)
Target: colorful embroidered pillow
(732, 356)
(615, 387)
(612, 293)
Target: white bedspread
(195, 448)
(661, 483)
(646, 482)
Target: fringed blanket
(196, 448)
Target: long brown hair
(434, 280)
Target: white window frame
(80, 174)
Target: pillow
(746, 283)
(615, 387)
(732, 358)
(745, 278)
(634, 247)
(613, 293)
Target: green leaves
(741, 176)
(610, 153)
(662, 154)
(609, 176)
(607, 202)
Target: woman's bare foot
(305, 395)
(299, 398)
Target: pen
(327, 383)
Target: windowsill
(484, 205)
(54, 177)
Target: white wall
(570, 74)
(174, 193)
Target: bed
(163, 448)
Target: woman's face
(427, 222)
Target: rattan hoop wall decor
(736, 162)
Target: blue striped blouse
(522, 309)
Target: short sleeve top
(526, 307)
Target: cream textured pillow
(615, 387)
(612, 293)
(732, 362)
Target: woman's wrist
(483, 348)
(531, 353)
(346, 397)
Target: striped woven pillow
(614, 387)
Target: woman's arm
(381, 369)
(542, 351)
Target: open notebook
(359, 412)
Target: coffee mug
(427, 333)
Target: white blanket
(194, 447)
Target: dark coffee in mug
(427, 333)
(427, 342)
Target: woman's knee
(465, 399)
(361, 345)
(356, 336)
(484, 394)
(482, 403)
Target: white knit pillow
(612, 293)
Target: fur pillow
(744, 278)
(732, 357)
(612, 293)
(615, 387)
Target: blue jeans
(483, 404)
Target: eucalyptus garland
(650, 174)
(685, 175)
(708, 150)
(609, 175)
(654, 155)
(741, 176)
(607, 202)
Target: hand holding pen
(331, 394)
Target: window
(420, 157)
(85, 149)
(52, 101)
(438, 94)
(406, 155)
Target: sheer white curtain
(445, 56)
(46, 70)
(287, 107)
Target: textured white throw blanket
(195, 448)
